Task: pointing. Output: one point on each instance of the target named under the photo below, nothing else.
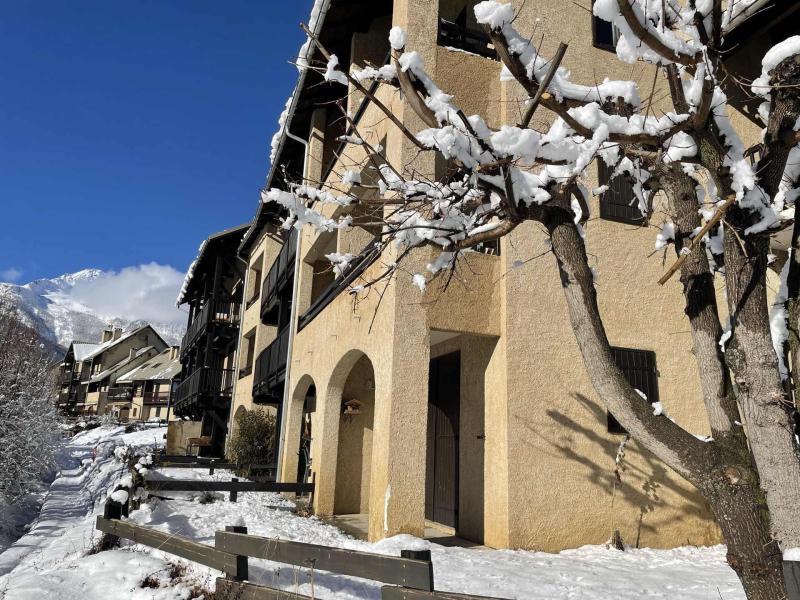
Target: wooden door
(441, 477)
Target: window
(255, 281)
(249, 341)
(458, 28)
(639, 368)
(618, 202)
(604, 34)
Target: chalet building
(92, 369)
(463, 410)
(213, 291)
(149, 387)
(70, 390)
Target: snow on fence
(409, 576)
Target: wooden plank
(390, 592)
(172, 544)
(194, 485)
(236, 590)
(196, 465)
(411, 573)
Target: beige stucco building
(465, 409)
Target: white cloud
(145, 292)
(11, 275)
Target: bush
(253, 440)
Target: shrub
(253, 440)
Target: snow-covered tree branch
(723, 211)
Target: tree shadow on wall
(640, 485)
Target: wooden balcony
(270, 369)
(279, 275)
(223, 314)
(206, 386)
(156, 397)
(119, 394)
(455, 35)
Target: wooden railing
(280, 273)
(216, 311)
(156, 397)
(205, 382)
(407, 577)
(270, 365)
(456, 36)
(119, 394)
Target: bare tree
(722, 206)
(29, 420)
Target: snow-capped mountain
(46, 305)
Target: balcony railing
(270, 366)
(280, 273)
(120, 394)
(354, 268)
(454, 35)
(204, 382)
(85, 374)
(65, 377)
(156, 397)
(216, 311)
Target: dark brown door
(441, 477)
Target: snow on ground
(52, 561)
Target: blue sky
(129, 131)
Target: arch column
(291, 441)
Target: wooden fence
(407, 577)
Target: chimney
(117, 333)
(173, 352)
(107, 335)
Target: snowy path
(52, 561)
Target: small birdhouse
(352, 408)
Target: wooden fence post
(234, 493)
(112, 510)
(424, 555)
(211, 466)
(242, 573)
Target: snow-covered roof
(160, 367)
(187, 280)
(83, 349)
(122, 366)
(106, 345)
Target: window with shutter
(639, 368)
(604, 34)
(618, 202)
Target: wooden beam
(417, 574)
(389, 592)
(172, 544)
(235, 590)
(193, 485)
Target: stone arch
(300, 424)
(351, 398)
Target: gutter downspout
(292, 321)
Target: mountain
(46, 305)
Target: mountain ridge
(45, 305)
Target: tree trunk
(729, 486)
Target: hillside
(47, 306)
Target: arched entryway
(297, 454)
(354, 452)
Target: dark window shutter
(602, 34)
(639, 368)
(618, 202)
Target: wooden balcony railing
(120, 394)
(457, 36)
(270, 365)
(216, 311)
(280, 273)
(204, 382)
(156, 397)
